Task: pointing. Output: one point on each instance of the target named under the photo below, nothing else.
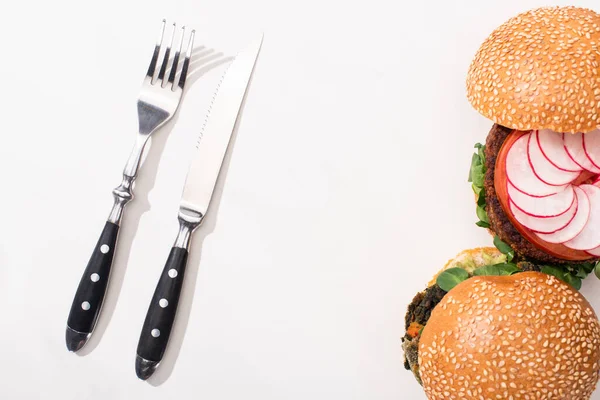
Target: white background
(345, 192)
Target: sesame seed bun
(540, 70)
(527, 335)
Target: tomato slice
(500, 184)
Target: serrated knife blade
(197, 193)
(216, 133)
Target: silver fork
(158, 101)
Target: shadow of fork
(203, 61)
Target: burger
(488, 329)
(468, 263)
(537, 178)
(508, 322)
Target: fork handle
(91, 290)
(94, 282)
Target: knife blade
(195, 201)
(216, 132)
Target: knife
(197, 192)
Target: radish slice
(520, 174)
(594, 252)
(552, 146)
(589, 237)
(596, 181)
(544, 169)
(591, 146)
(575, 227)
(544, 225)
(543, 207)
(574, 146)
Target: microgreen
(504, 248)
(497, 270)
(477, 177)
(451, 277)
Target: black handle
(161, 314)
(92, 287)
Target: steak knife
(197, 192)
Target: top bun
(540, 70)
(523, 336)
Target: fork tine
(154, 59)
(186, 62)
(176, 59)
(163, 68)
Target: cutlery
(158, 101)
(197, 192)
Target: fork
(158, 101)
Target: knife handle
(92, 286)
(161, 314)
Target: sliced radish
(589, 237)
(574, 227)
(552, 146)
(542, 207)
(544, 225)
(544, 169)
(594, 252)
(591, 146)
(574, 147)
(520, 174)
(596, 181)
